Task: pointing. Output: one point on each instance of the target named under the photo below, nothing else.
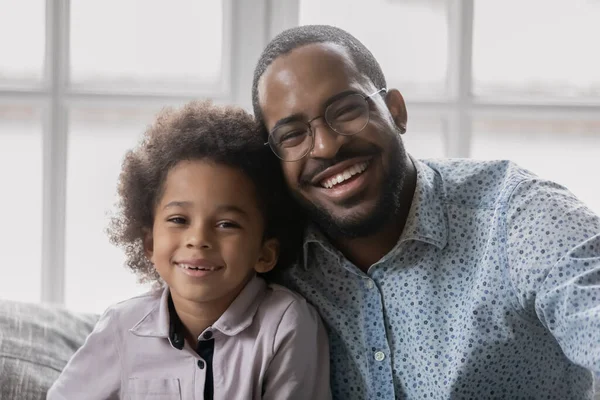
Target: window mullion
(460, 75)
(249, 35)
(283, 14)
(54, 149)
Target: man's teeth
(345, 175)
(187, 266)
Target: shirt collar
(163, 321)
(427, 219)
(241, 312)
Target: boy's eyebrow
(221, 208)
(232, 208)
(178, 204)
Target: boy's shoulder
(128, 312)
(280, 300)
(277, 293)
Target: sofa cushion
(36, 341)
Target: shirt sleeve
(300, 366)
(553, 250)
(94, 371)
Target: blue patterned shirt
(492, 291)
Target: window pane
(409, 39)
(20, 203)
(150, 43)
(425, 137)
(98, 140)
(22, 26)
(564, 151)
(537, 48)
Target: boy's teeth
(187, 266)
(345, 175)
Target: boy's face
(207, 238)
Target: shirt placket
(378, 354)
(204, 371)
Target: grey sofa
(36, 341)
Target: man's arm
(553, 250)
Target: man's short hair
(293, 38)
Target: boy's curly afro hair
(200, 130)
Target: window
(21, 43)
(98, 139)
(545, 50)
(151, 45)
(82, 82)
(21, 201)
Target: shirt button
(207, 335)
(370, 284)
(379, 356)
(200, 364)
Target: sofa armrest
(36, 341)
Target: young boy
(202, 212)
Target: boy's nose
(199, 238)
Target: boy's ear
(148, 244)
(268, 257)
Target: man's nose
(327, 141)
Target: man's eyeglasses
(346, 116)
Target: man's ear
(148, 244)
(268, 256)
(397, 107)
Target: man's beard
(357, 226)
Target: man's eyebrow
(288, 119)
(339, 96)
(178, 204)
(302, 117)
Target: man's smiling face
(349, 184)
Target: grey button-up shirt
(269, 344)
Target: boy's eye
(227, 224)
(177, 220)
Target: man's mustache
(315, 166)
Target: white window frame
(248, 26)
(244, 36)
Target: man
(436, 279)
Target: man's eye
(348, 112)
(177, 220)
(292, 137)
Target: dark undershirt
(205, 348)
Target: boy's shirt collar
(163, 321)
